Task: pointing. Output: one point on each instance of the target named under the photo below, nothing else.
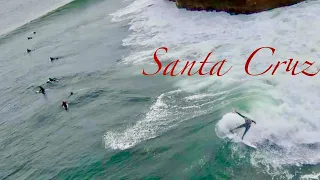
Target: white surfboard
(38, 92)
(41, 92)
(249, 144)
(238, 139)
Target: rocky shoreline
(234, 6)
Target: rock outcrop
(234, 6)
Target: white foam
(313, 176)
(168, 111)
(142, 130)
(229, 121)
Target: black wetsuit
(246, 125)
(52, 80)
(65, 105)
(42, 90)
(54, 58)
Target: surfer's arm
(240, 114)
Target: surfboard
(41, 92)
(249, 144)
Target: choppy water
(123, 125)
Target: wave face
(19, 12)
(285, 107)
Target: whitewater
(285, 107)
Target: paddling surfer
(52, 80)
(42, 90)
(246, 125)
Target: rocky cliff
(234, 6)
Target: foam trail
(311, 176)
(168, 111)
(142, 130)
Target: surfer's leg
(247, 128)
(241, 126)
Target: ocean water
(124, 125)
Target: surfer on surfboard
(64, 104)
(42, 90)
(246, 125)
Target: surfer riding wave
(246, 125)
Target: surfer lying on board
(52, 80)
(42, 90)
(246, 125)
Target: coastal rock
(234, 6)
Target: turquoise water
(123, 125)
